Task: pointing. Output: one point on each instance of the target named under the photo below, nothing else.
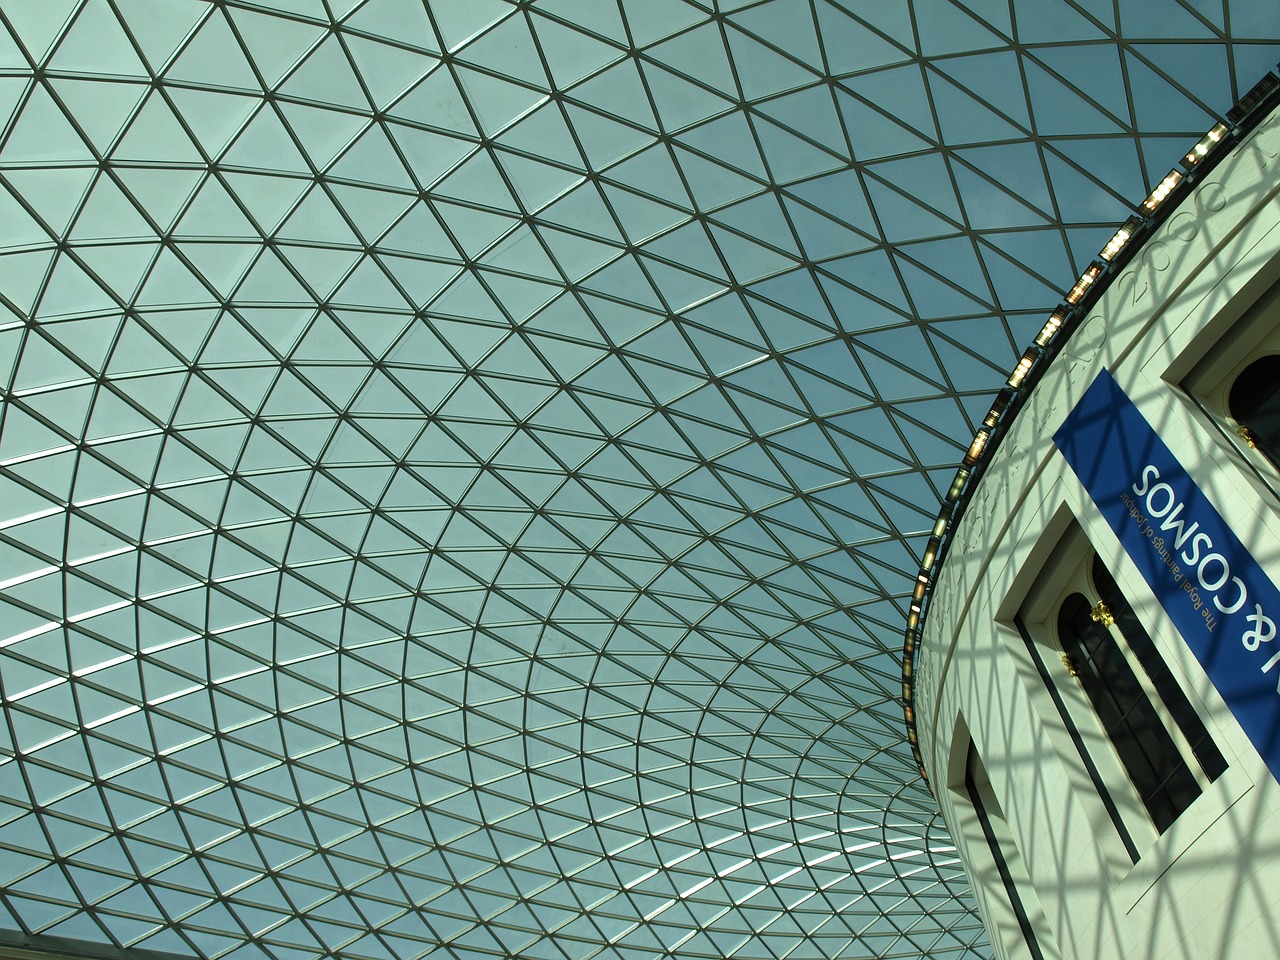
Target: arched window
(1180, 709)
(1091, 636)
(1254, 403)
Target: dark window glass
(1254, 402)
(1164, 781)
(1135, 635)
(987, 808)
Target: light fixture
(1262, 91)
(1076, 293)
(1051, 327)
(975, 448)
(1207, 143)
(997, 408)
(1024, 366)
(1162, 190)
(1120, 240)
(962, 476)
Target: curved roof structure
(463, 463)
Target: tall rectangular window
(996, 833)
(1157, 734)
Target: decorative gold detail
(1247, 435)
(1101, 613)
(1070, 665)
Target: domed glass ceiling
(462, 463)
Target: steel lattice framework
(463, 461)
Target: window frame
(1067, 572)
(1207, 384)
(992, 856)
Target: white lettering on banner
(1212, 571)
(1168, 503)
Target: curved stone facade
(1065, 845)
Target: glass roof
(463, 463)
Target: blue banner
(1212, 588)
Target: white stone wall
(1210, 886)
